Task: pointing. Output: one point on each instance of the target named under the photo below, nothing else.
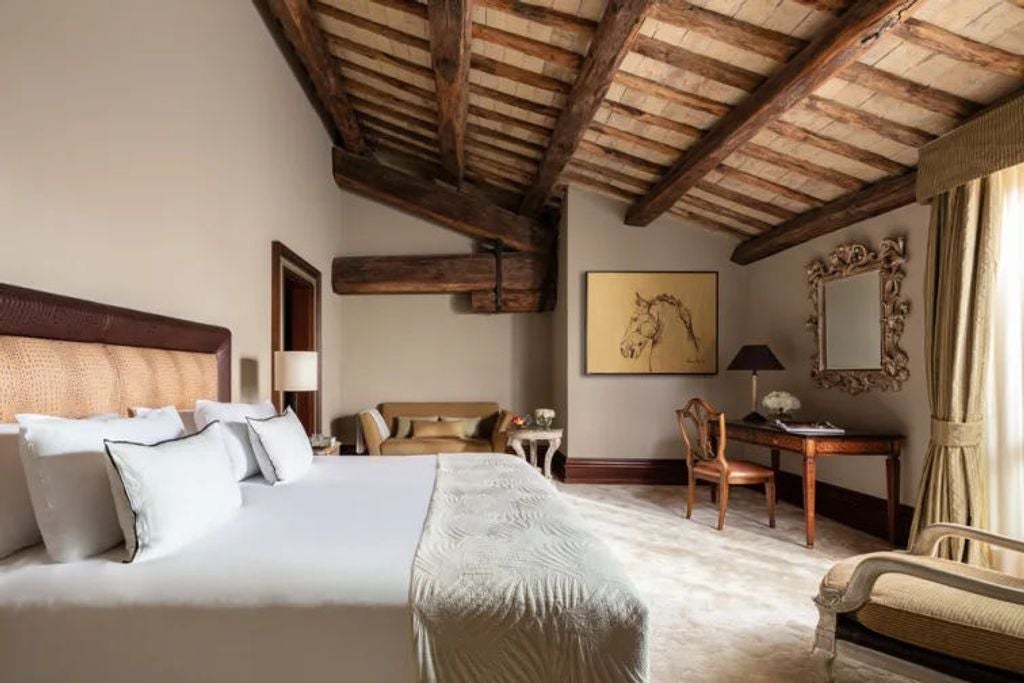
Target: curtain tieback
(957, 434)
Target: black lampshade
(755, 357)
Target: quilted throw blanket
(508, 584)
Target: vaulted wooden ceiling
(771, 120)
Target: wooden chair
(705, 460)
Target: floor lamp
(755, 357)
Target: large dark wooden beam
(300, 28)
(857, 30)
(453, 273)
(612, 40)
(451, 23)
(458, 211)
(876, 199)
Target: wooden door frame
(284, 258)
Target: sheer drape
(1004, 393)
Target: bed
(447, 567)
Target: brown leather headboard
(70, 357)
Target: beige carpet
(732, 605)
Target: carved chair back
(695, 420)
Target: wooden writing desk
(820, 446)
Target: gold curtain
(962, 248)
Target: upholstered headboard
(73, 358)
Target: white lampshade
(296, 371)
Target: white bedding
(328, 558)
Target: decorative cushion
(941, 618)
(452, 429)
(403, 425)
(65, 469)
(282, 447)
(470, 425)
(236, 432)
(172, 492)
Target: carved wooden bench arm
(833, 601)
(930, 537)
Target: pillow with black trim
(282, 447)
(172, 492)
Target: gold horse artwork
(652, 323)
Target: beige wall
(149, 153)
(412, 347)
(632, 416)
(776, 311)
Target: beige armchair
(923, 617)
(491, 435)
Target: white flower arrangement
(543, 417)
(780, 402)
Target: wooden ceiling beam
(856, 31)
(396, 83)
(686, 60)
(808, 169)
(514, 101)
(680, 97)
(646, 117)
(478, 130)
(576, 177)
(634, 139)
(837, 147)
(707, 222)
(918, 94)
(755, 224)
(745, 200)
(378, 56)
(739, 34)
(617, 30)
(618, 156)
(440, 274)
(451, 40)
(876, 199)
(512, 301)
(543, 15)
(886, 128)
(639, 184)
(374, 27)
(528, 46)
(768, 186)
(962, 49)
(519, 75)
(826, 5)
(303, 33)
(452, 208)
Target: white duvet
(309, 582)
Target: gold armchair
(925, 617)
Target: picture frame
(651, 323)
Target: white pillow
(236, 434)
(188, 417)
(67, 479)
(18, 528)
(282, 447)
(173, 492)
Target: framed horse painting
(652, 323)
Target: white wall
(150, 152)
(428, 347)
(776, 312)
(632, 416)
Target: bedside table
(330, 450)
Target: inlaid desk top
(814, 446)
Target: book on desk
(814, 428)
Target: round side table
(516, 437)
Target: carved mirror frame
(853, 259)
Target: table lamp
(296, 371)
(755, 357)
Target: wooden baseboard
(857, 510)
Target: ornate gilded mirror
(858, 317)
